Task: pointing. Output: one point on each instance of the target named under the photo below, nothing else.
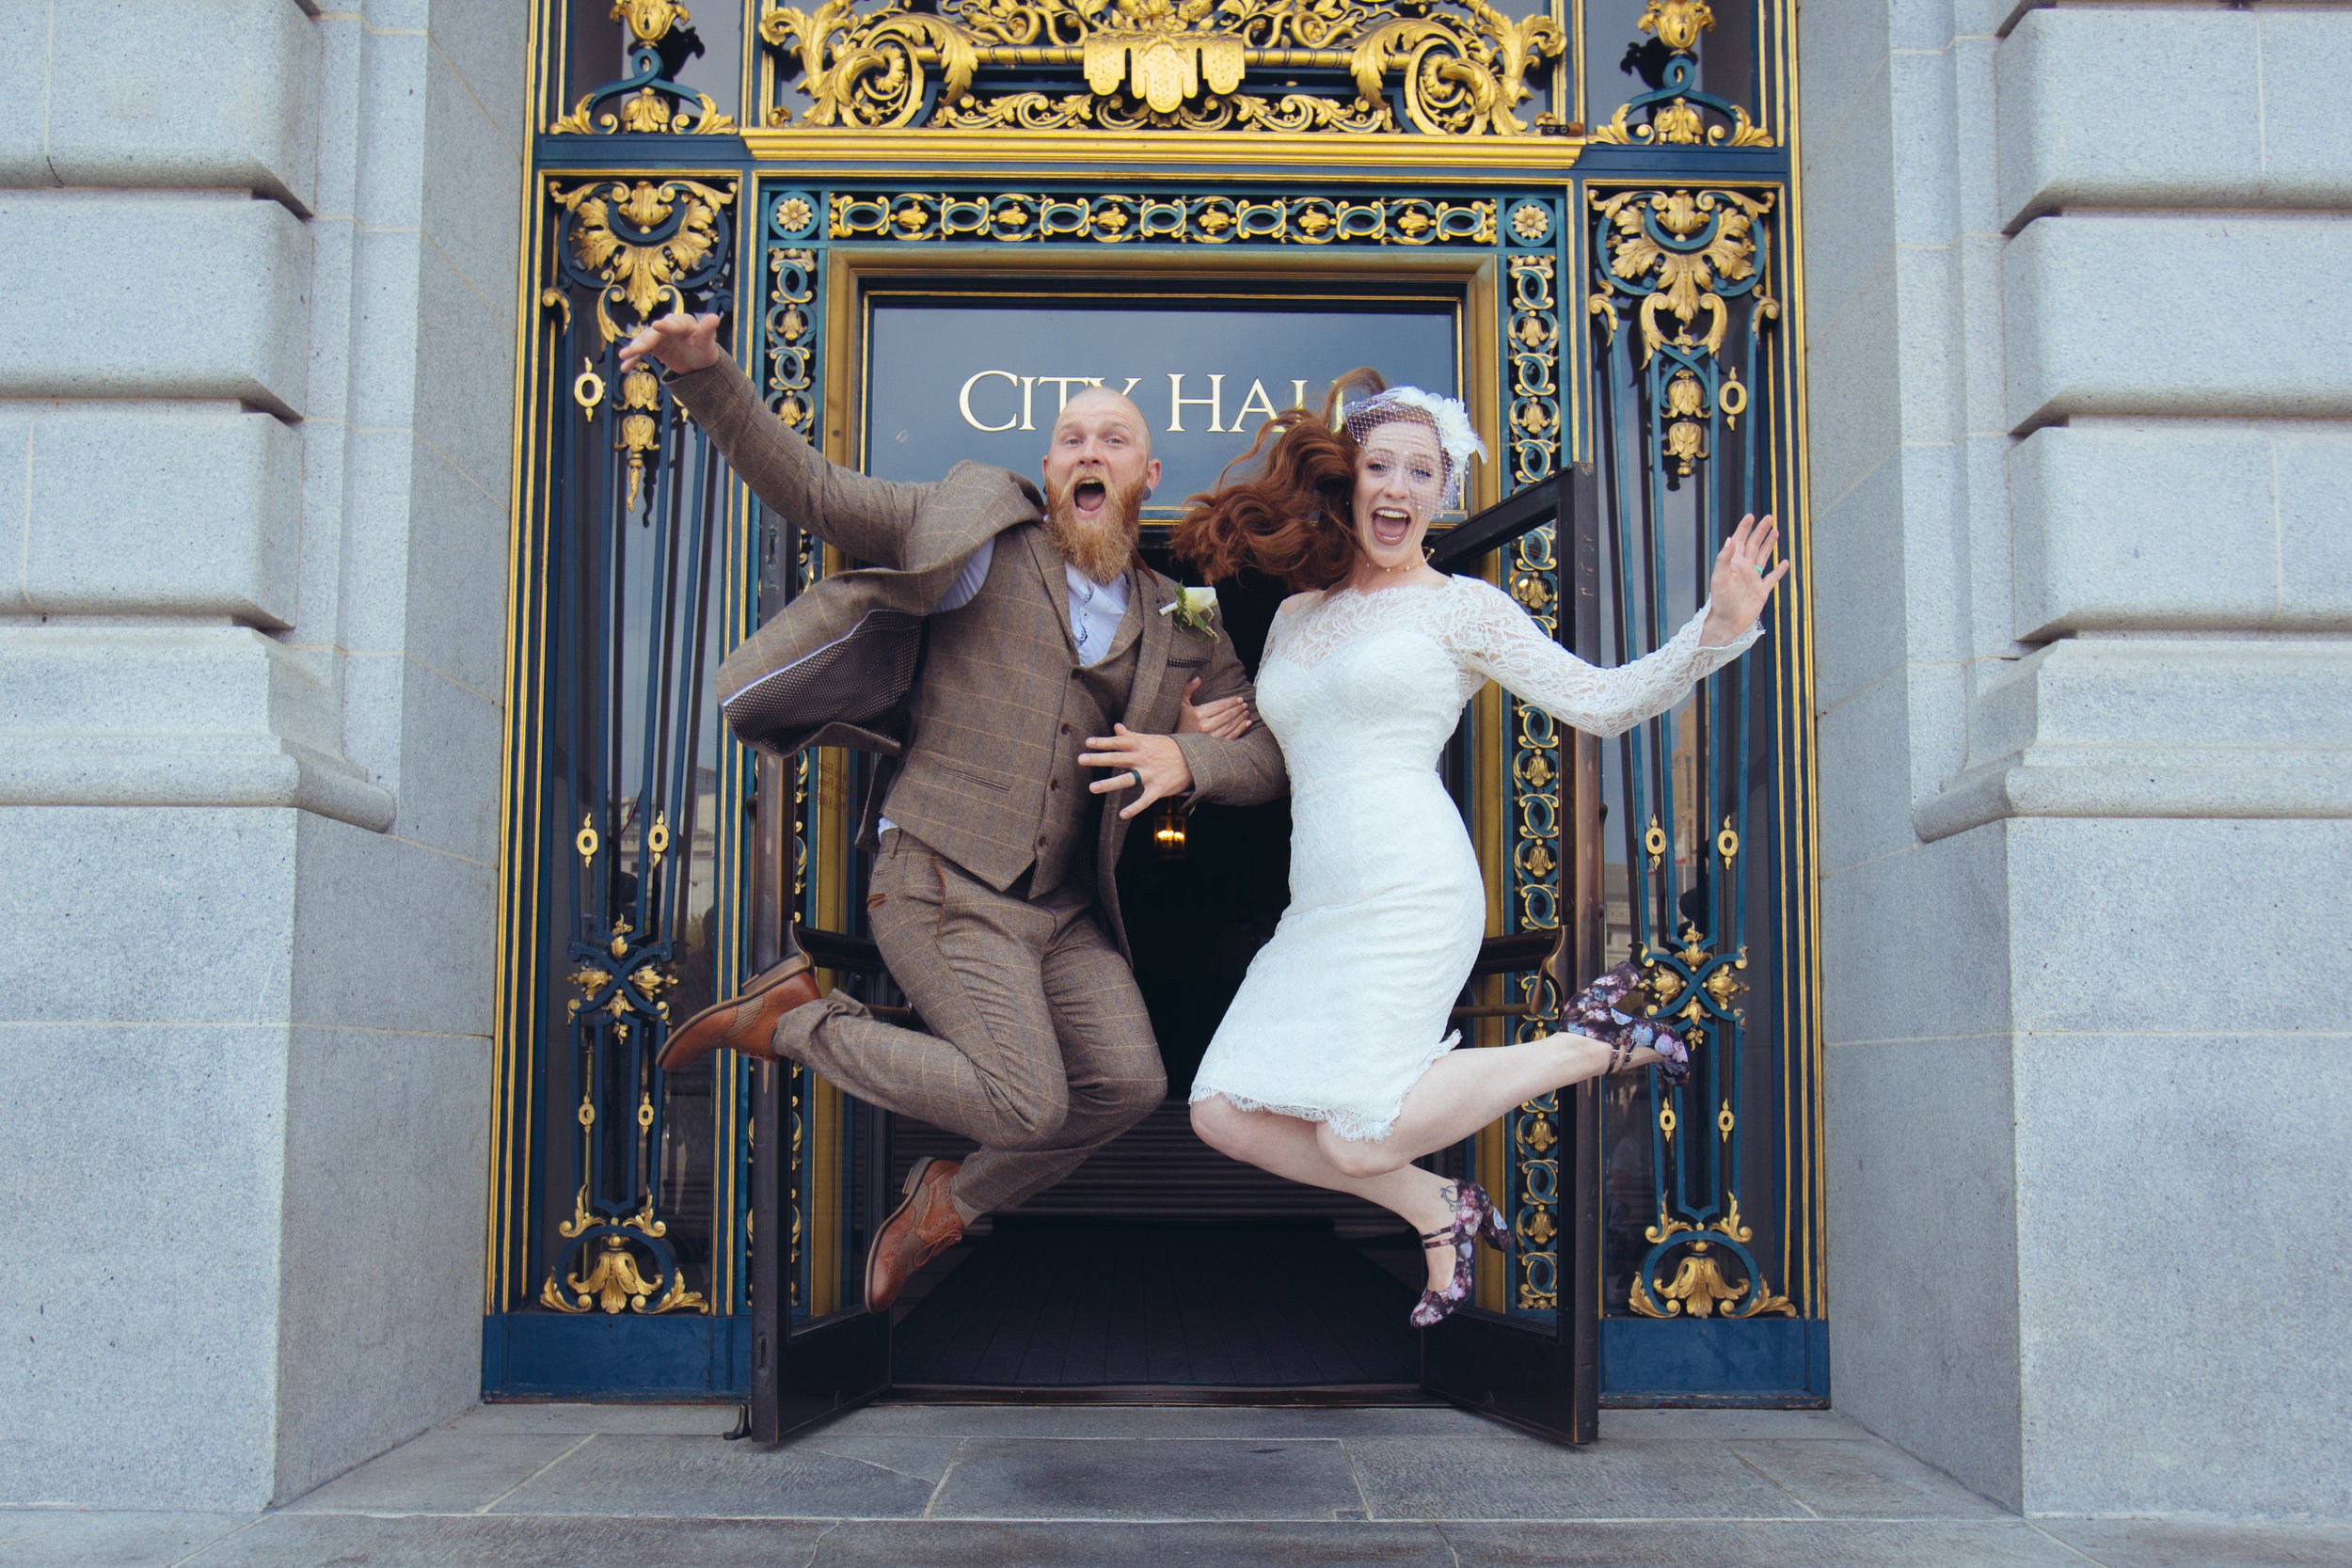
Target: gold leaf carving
(613, 237)
(1701, 239)
(1176, 65)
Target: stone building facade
(254, 646)
(2080, 504)
(2078, 456)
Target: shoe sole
(913, 1184)
(782, 974)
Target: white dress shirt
(1095, 608)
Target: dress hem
(1353, 1126)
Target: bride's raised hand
(1227, 718)
(1743, 580)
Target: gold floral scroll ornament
(650, 109)
(1698, 1287)
(624, 235)
(640, 427)
(1712, 236)
(1674, 115)
(1162, 64)
(609, 1278)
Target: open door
(818, 1157)
(1536, 1371)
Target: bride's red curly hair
(1294, 519)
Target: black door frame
(1546, 1378)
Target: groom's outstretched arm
(867, 518)
(1235, 772)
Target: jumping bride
(1333, 1067)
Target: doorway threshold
(1378, 1394)
(1081, 1305)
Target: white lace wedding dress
(1344, 1010)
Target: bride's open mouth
(1390, 527)
(1087, 497)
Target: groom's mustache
(1100, 548)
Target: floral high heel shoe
(1604, 1010)
(1475, 1219)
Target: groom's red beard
(1101, 548)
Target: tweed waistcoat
(1011, 796)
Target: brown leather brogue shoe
(924, 1225)
(743, 1022)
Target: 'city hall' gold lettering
(1257, 402)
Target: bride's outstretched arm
(1493, 636)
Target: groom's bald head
(1091, 407)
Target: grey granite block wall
(249, 775)
(2100, 652)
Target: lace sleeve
(1491, 636)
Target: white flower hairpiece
(1455, 434)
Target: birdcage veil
(1450, 419)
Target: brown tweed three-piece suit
(995, 902)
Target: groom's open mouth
(1087, 497)
(1390, 527)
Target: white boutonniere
(1193, 608)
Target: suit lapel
(1145, 596)
(1050, 566)
(1130, 627)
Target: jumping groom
(1017, 644)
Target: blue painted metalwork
(1681, 306)
(1689, 429)
(634, 550)
(1538, 262)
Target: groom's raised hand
(1151, 764)
(680, 341)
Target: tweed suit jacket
(989, 732)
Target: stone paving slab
(1730, 1426)
(494, 1541)
(966, 1544)
(1046, 1479)
(1791, 1544)
(1522, 1478)
(821, 1478)
(2191, 1543)
(1845, 1478)
(1169, 1421)
(441, 1472)
(550, 1486)
(48, 1537)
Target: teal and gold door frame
(1603, 191)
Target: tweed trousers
(1039, 1050)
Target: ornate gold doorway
(1600, 193)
